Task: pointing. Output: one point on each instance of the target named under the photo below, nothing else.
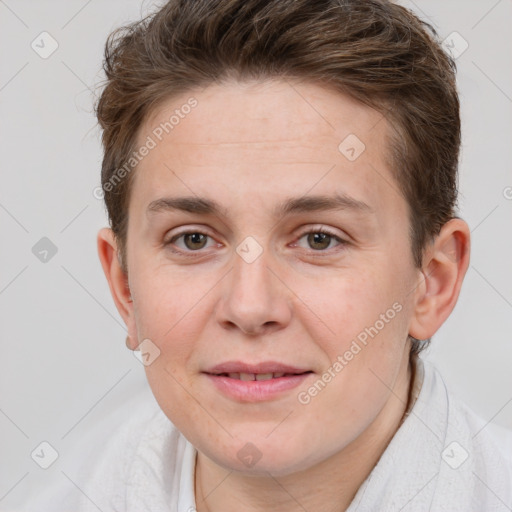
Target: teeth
(256, 376)
(264, 376)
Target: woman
(280, 178)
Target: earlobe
(445, 264)
(117, 279)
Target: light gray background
(64, 364)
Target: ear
(445, 264)
(118, 282)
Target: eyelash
(192, 254)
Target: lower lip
(256, 390)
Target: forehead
(252, 113)
(271, 137)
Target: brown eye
(194, 241)
(319, 240)
(189, 242)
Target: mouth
(265, 381)
(257, 376)
(267, 368)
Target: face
(290, 252)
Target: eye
(321, 239)
(192, 240)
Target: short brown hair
(376, 51)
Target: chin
(262, 457)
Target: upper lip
(263, 367)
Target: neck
(328, 486)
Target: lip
(256, 390)
(263, 367)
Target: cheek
(165, 303)
(169, 312)
(347, 304)
(362, 332)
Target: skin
(249, 147)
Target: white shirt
(442, 458)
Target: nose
(255, 298)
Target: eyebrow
(204, 206)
